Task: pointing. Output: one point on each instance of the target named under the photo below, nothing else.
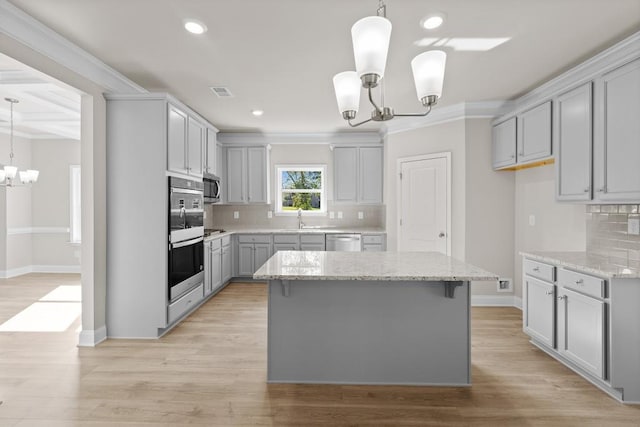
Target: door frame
(446, 155)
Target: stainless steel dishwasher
(344, 242)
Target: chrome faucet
(300, 223)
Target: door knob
(441, 235)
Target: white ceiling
(280, 55)
(46, 108)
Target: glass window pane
(304, 201)
(301, 180)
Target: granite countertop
(320, 230)
(585, 262)
(387, 266)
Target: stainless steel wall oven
(186, 236)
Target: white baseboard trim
(15, 272)
(91, 338)
(517, 302)
(495, 301)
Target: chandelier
(9, 172)
(370, 38)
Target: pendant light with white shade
(370, 38)
(9, 172)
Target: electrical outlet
(236, 215)
(269, 214)
(204, 215)
(332, 215)
(360, 215)
(505, 285)
(339, 215)
(532, 220)
(633, 226)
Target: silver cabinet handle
(441, 235)
(586, 190)
(579, 282)
(513, 156)
(602, 189)
(536, 268)
(561, 297)
(549, 292)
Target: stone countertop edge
(584, 262)
(364, 230)
(445, 278)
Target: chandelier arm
(415, 114)
(358, 124)
(373, 102)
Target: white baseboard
(495, 301)
(91, 338)
(14, 272)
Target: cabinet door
(257, 175)
(245, 259)
(370, 175)
(617, 143)
(539, 310)
(194, 147)
(207, 268)
(312, 246)
(573, 127)
(534, 133)
(177, 140)
(226, 264)
(210, 165)
(504, 144)
(345, 174)
(261, 254)
(581, 326)
(235, 175)
(216, 269)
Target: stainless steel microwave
(211, 188)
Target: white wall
(558, 226)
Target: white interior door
(424, 204)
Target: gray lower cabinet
(253, 251)
(574, 144)
(539, 313)
(213, 279)
(312, 242)
(504, 144)
(373, 243)
(227, 266)
(286, 242)
(616, 144)
(534, 133)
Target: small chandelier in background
(9, 172)
(370, 38)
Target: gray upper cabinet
(534, 133)
(617, 137)
(357, 174)
(573, 135)
(246, 175)
(195, 145)
(210, 153)
(177, 140)
(504, 144)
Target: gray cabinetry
(373, 243)
(226, 259)
(253, 251)
(504, 144)
(185, 142)
(534, 133)
(286, 242)
(212, 266)
(196, 135)
(574, 144)
(210, 153)
(539, 313)
(246, 175)
(312, 242)
(358, 174)
(617, 136)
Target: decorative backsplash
(607, 233)
(255, 216)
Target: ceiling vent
(221, 92)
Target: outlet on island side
(633, 226)
(505, 285)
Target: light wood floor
(210, 370)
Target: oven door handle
(186, 242)
(186, 191)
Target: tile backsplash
(607, 233)
(255, 216)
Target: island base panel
(368, 332)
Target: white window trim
(75, 216)
(301, 167)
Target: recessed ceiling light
(195, 27)
(257, 113)
(432, 21)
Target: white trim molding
(37, 230)
(336, 138)
(15, 272)
(496, 301)
(91, 338)
(25, 29)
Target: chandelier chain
(382, 9)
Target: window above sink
(300, 187)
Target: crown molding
(336, 138)
(464, 110)
(613, 57)
(25, 29)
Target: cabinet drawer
(312, 238)
(285, 238)
(186, 303)
(215, 244)
(226, 240)
(540, 270)
(371, 248)
(583, 283)
(372, 239)
(254, 238)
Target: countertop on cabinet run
(387, 266)
(319, 230)
(585, 262)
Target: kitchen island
(369, 317)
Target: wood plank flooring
(211, 370)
